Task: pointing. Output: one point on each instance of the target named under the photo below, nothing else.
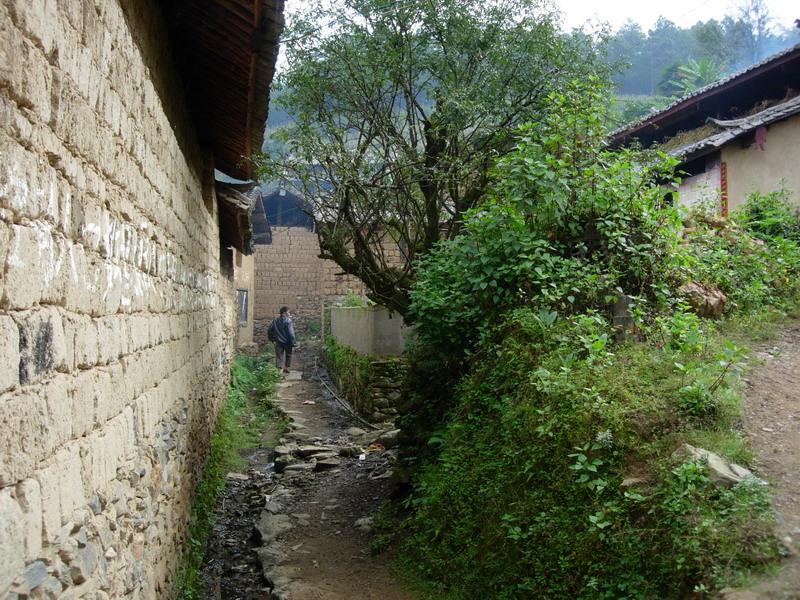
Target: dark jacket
(283, 331)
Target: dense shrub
(569, 225)
(542, 450)
(754, 259)
(770, 216)
(526, 498)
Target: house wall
(753, 169)
(244, 276)
(701, 188)
(373, 331)
(115, 320)
(290, 273)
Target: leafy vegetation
(770, 217)
(400, 110)
(569, 226)
(545, 458)
(350, 370)
(755, 258)
(353, 299)
(245, 414)
(694, 74)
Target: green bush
(569, 225)
(770, 216)
(526, 496)
(542, 458)
(754, 259)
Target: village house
(117, 298)
(244, 214)
(288, 269)
(734, 137)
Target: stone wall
(372, 385)
(114, 317)
(290, 273)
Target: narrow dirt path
(771, 412)
(300, 530)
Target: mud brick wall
(115, 321)
(290, 273)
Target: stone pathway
(304, 528)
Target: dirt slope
(772, 421)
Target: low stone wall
(386, 380)
(371, 385)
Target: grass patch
(248, 410)
(349, 369)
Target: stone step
(306, 451)
(327, 463)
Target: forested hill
(665, 59)
(653, 67)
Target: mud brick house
(288, 270)
(734, 137)
(117, 310)
(244, 212)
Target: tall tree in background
(667, 45)
(401, 109)
(627, 50)
(711, 41)
(755, 15)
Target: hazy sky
(682, 12)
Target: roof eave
(685, 105)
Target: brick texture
(115, 319)
(290, 273)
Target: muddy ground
(304, 533)
(771, 415)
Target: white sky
(682, 12)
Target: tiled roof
(226, 52)
(629, 129)
(725, 131)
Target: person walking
(281, 333)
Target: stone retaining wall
(114, 317)
(372, 385)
